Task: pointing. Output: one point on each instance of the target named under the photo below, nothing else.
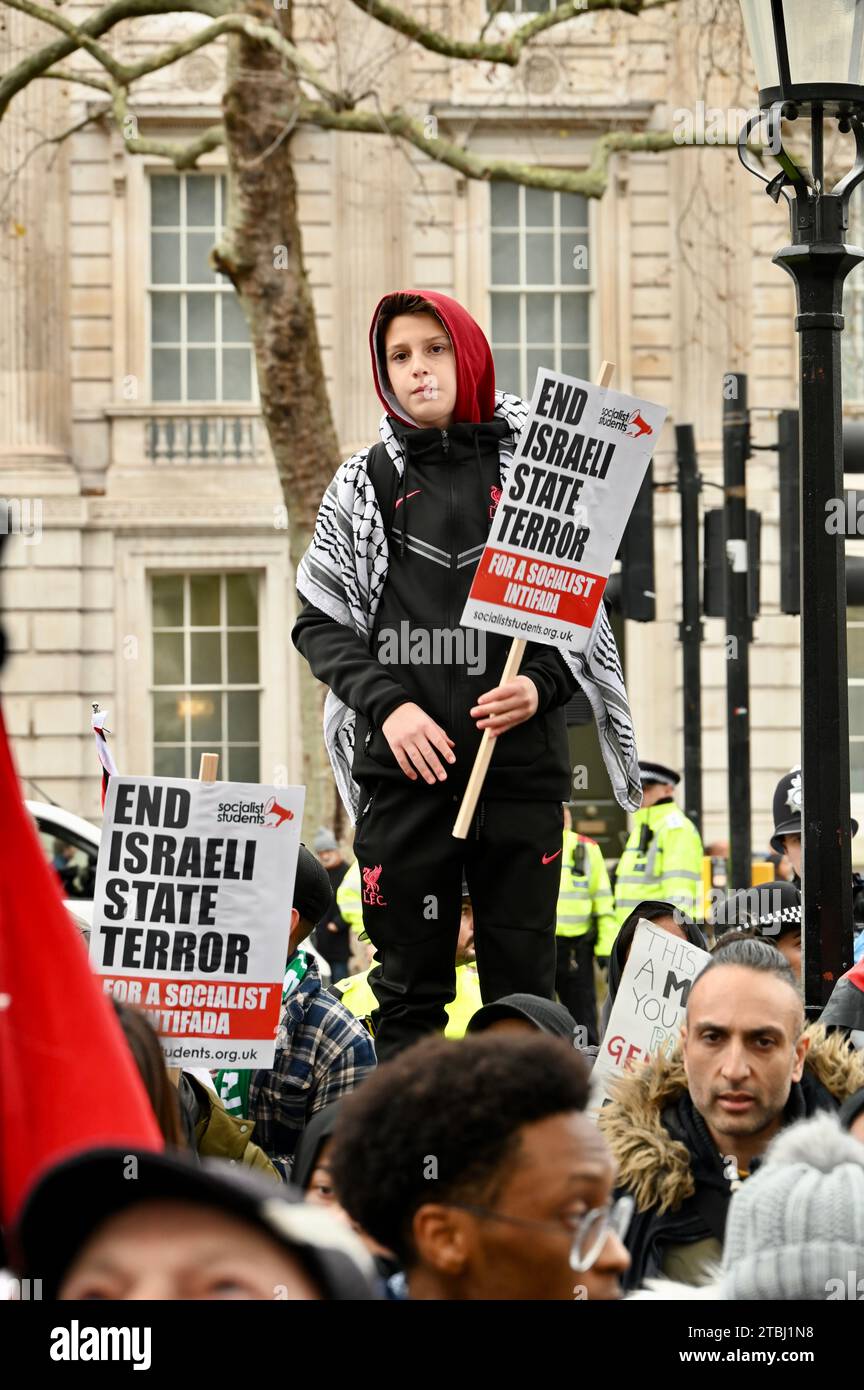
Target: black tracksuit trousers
(411, 868)
(574, 981)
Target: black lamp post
(809, 61)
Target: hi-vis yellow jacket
(662, 859)
(356, 994)
(585, 895)
(349, 899)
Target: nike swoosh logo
(407, 495)
(547, 858)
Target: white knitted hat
(798, 1223)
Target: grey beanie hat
(796, 1228)
(324, 839)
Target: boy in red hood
(398, 537)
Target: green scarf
(232, 1087)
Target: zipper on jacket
(445, 441)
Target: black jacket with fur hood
(667, 1161)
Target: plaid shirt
(322, 1052)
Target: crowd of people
(473, 1165)
(429, 1128)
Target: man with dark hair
(397, 540)
(474, 1163)
(688, 1128)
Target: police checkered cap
(658, 772)
(770, 910)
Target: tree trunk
(262, 255)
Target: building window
(199, 340)
(540, 284)
(206, 689)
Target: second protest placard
(576, 472)
(650, 1005)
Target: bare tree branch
(182, 154)
(126, 74)
(35, 64)
(591, 181)
(507, 50)
(40, 144)
(66, 75)
(55, 20)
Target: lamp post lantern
(809, 62)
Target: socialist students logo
(495, 494)
(638, 426)
(279, 813)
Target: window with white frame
(540, 286)
(206, 690)
(199, 339)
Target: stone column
(35, 410)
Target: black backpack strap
(381, 471)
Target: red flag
(68, 1081)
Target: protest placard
(575, 475)
(650, 1005)
(191, 911)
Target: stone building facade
(158, 580)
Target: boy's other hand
(506, 706)
(413, 738)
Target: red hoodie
(475, 370)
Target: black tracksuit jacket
(445, 504)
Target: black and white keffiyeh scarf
(343, 574)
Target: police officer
(787, 839)
(586, 926)
(787, 820)
(663, 856)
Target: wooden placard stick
(209, 767)
(511, 669)
(207, 770)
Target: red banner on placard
(537, 586)
(180, 1007)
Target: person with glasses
(474, 1162)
